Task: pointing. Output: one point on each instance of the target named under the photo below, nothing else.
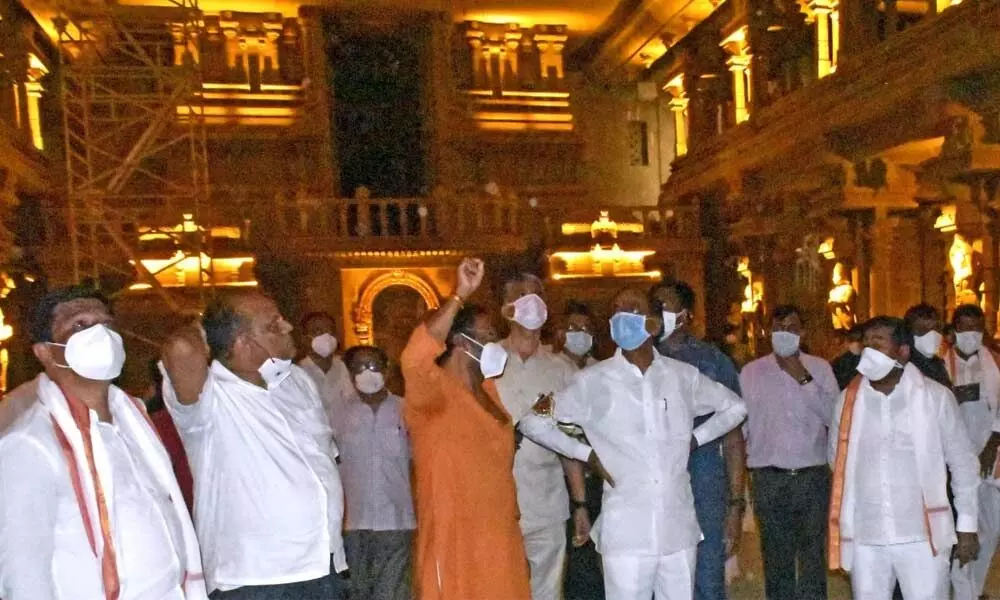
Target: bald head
(248, 324)
(632, 300)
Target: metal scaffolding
(136, 154)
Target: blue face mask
(628, 330)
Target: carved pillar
(443, 163)
(990, 257)
(739, 65)
(33, 95)
(881, 269)
(478, 58)
(319, 91)
(679, 108)
(508, 59)
(550, 46)
(822, 12)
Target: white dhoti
(968, 581)
(546, 551)
(921, 574)
(635, 577)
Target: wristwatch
(575, 504)
(738, 502)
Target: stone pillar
(679, 108)
(34, 91)
(443, 164)
(990, 257)
(739, 64)
(319, 92)
(881, 268)
(821, 12)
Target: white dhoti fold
(921, 574)
(639, 577)
(968, 581)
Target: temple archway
(364, 308)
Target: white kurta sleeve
(712, 397)
(28, 513)
(963, 464)
(188, 417)
(544, 432)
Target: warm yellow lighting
(535, 117)
(655, 275)
(522, 126)
(753, 293)
(603, 224)
(960, 255)
(826, 249)
(743, 266)
(946, 222)
(6, 331)
(519, 94)
(181, 270)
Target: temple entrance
(396, 311)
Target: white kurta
(981, 420)
(44, 547)
(641, 425)
(916, 430)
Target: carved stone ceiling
(582, 17)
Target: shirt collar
(225, 376)
(622, 365)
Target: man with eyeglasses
(375, 468)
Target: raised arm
(185, 358)
(470, 277)
(418, 360)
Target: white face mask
(669, 323)
(96, 353)
(492, 360)
(784, 343)
(875, 365)
(369, 382)
(579, 343)
(275, 370)
(324, 344)
(530, 312)
(969, 342)
(928, 343)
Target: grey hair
(522, 277)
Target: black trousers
(791, 508)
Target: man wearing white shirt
(973, 370)
(326, 369)
(895, 437)
(375, 466)
(533, 371)
(637, 409)
(89, 507)
(268, 498)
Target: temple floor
(750, 584)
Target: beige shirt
(541, 488)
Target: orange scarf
(109, 566)
(839, 470)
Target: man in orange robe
(468, 542)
